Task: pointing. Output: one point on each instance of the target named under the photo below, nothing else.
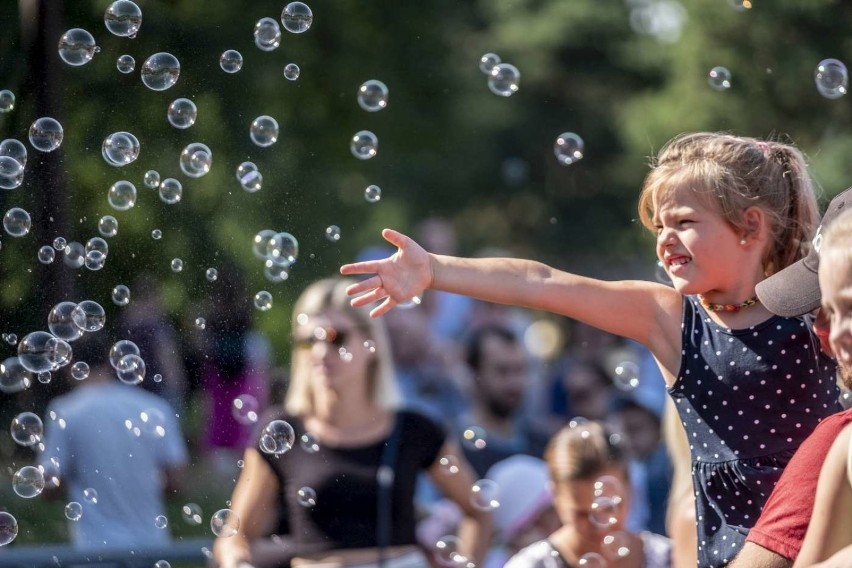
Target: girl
(749, 386)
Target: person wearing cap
(777, 538)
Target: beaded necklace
(727, 307)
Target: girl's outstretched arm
(645, 311)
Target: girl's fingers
(395, 238)
(366, 267)
(383, 308)
(363, 286)
(369, 298)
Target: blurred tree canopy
(626, 75)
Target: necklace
(727, 307)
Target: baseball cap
(795, 290)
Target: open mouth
(678, 261)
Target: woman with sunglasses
(346, 488)
(591, 495)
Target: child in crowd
(749, 386)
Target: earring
(742, 242)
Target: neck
(353, 411)
(500, 425)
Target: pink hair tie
(764, 147)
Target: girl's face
(699, 250)
(579, 508)
(835, 281)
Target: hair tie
(764, 147)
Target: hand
(396, 279)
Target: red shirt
(782, 524)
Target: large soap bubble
(77, 47)
(267, 34)
(123, 18)
(831, 78)
(120, 149)
(17, 222)
(46, 134)
(373, 95)
(297, 17)
(160, 71)
(182, 113)
(264, 131)
(196, 159)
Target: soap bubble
(626, 376)
(89, 316)
(46, 254)
(291, 71)
(449, 464)
(73, 511)
(740, 5)
(75, 255)
(44, 377)
(11, 172)
(34, 351)
(200, 323)
(162, 564)
(161, 522)
(108, 226)
(157, 378)
(261, 242)
(171, 191)
(263, 301)
(80, 370)
(122, 195)
(160, 71)
(249, 177)
(28, 482)
(275, 272)
(7, 100)
(196, 160)
(59, 243)
(267, 34)
(282, 249)
(191, 514)
(297, 17)
(475, 438)
(123, 18)
(488, 61)
(332, 233)
(719, 78)
(373, 193)
(225, 523)
(373, 95)
(364, 145)
(182, 113)
(14, 377)
(27, 429)
(125, 64)
(151, 179)
(504, 79)
(15, 149)
(156, 234)
(17, 222)
(245, 409)
(95, 260)
(90, 495)
(306, 497)
(120, 149)
(483, 495)
(277, 438)
(121, 295)
(77, 47)
(231, 61)
(603, 512)
(591, 560)
(264, 131)
(616, 545)
(60, 321)
(46, 134)
(568, 148)
(97, 244)
(120, 349)
(176, 264)
(131, 369)
(309, 443)
(59, 352)
(211, 274)
(447, 552)
(8, 528)
(831, 78)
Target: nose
(841, 331)
(665, 237)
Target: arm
(830, 528)
(755, 556)
(653, 308)
(253, 500)
(475, 527)
(841, 559)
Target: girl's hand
(396, 279)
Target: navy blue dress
(747, 398)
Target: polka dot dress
(747, 398)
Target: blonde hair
(837, 237)
(330, 295)
(582, 452)
(734, 173)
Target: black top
(747, 398)
(346, 486)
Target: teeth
(680, 261)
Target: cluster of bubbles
(278, 251)
(830, 76)
(503, 78)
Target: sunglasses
(335, 337)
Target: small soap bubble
(157, 378)
(73, 511)
(35, 351)
(27, 429)
(309, 443)
(291, 71)
(156, 234)
(120, 349)
(161, 522)
(211, 274)
(261, 243)
(275, 272)
(504, 79)
(7, 100)
(245, 409)
(108, 226)
(160, 71)
(332, 233)
(488, 61)
(59, 243)
(28, 482)
(568, 148)
(831, 78)
(120, 149)
(162, 564)
(151, 179)
(182, 113)
(11, 172)
(449, 464)
(447, 552)
(122, 195)
(277, 438)
(125, 64)
(364, 145)
(231, 61)
(90, 495)
(282, 249)
(89, 316)
(8, 528)
(475, 438)
(77, 47)
(373, 95)
(591, 560)
(370, 346)
(264, 131)
(200, 323)
(196, 160)
(121, 295)
(44, 377)
(483, 495)
(123, 18)
(171, 191)
(626, 376)
(297, 17)
(241, 464)
(14, 149)
(224, 523)
(60, 321)
(80, 371)
(177, 265)
(373, 193)
(97, 244)
(46, 134)
(191, 513)
(263, 301)
(75, 255)
(252, 182)
(603, 512)
(267, 34)
(46, 254)
(14, 377)
(740, 5)
(719, 78)
(131, 369)
(306, 497)
(616, 545)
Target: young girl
(749, 386)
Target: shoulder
(658, 549)
(414, 421)
(538, 554)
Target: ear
(754, 221)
